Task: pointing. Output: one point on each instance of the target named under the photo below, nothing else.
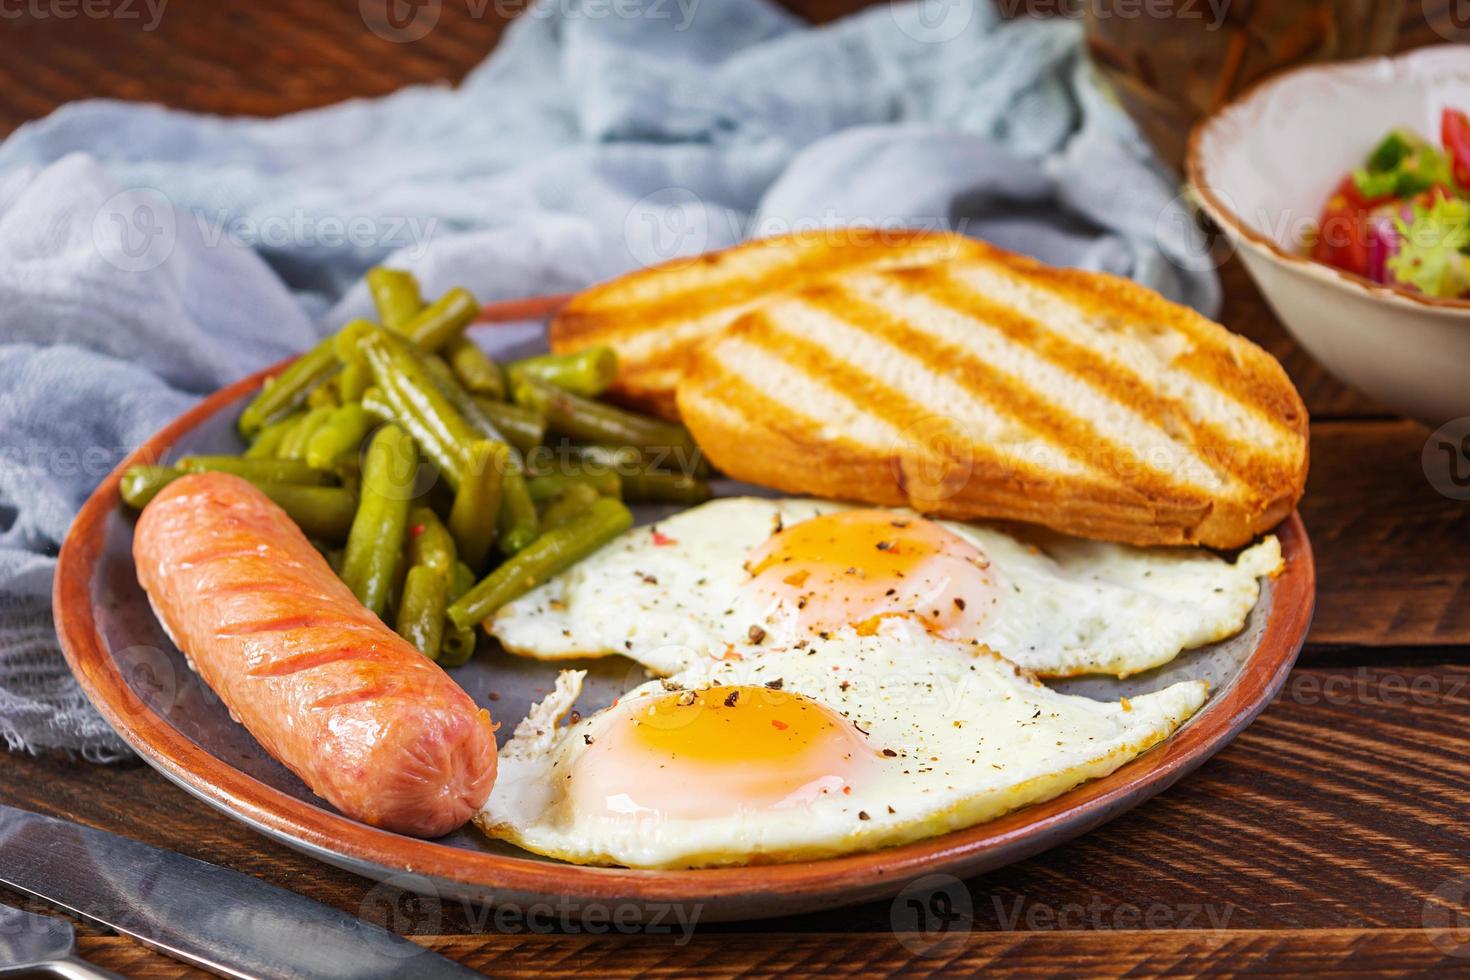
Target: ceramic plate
(139, 681)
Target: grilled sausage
(341, 700)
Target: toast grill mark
(1114, 363)
(967, 353)
(1044, 370)
(1202, 370)
(790, 423)
(1228, 364)
(823, 363)
(1077, 447)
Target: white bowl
(1264, 165)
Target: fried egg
(740, 576)
(850, 743)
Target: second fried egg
(742, 576)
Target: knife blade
(211, 917)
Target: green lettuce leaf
(1432, 256)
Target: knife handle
(76, 968)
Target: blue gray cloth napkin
(149, 256)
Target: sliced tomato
(1342, 233)
(1350, 191)
(1454, 132)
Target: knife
(213, 918)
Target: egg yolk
(715, 752)
(857, 567)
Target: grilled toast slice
(655, 317)
(1003, 388)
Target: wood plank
(239, 57)
(1392, 556)
(235, 57)
(1343, 952)
(1340, 810)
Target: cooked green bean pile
(439, 484)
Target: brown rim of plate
(1194, 171)
(285, 816)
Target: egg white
(971, 736)
(669, 595)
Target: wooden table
(1333, 834)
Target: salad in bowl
(1402, 218)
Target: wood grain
(1393, 565)
(241, 57)
(1133, 953)
(1326, 829)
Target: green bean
(651, 486)
(421, 609)
(349, 471)
(395, 294)
(375, 544)
(429, 542)
(477, 504)
(353, 381)
(140, 484)
(324, 394)
(260, 470)
(522, 427)
(548, 486)
(462, 582)
(549, 554)
(516, 525)
(626, 459)
(458, 645)
(338, 436)
(321, 512)
(516, 520)
(289, 389)
(575, 499)
(582, 418)
(443, 320)
(409, 387)
(442, 376)
(377, 404)
(347, 343)
(269, 438)
(296, 441)
(474, 368)
(583, 460)
(587, 372)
